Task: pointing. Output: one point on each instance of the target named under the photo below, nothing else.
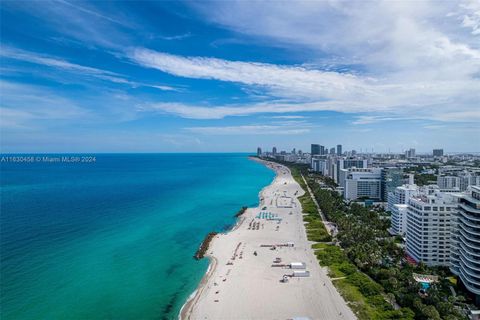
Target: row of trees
(365, 241)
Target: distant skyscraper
(410, 153)
(322, 150)
(274, 150)
(315, 149)
(438, 152)
(259, 151)
(332, 150)
(294, 151)
(391, 179)
(339, 149)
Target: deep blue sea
(114, 239)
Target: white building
(399, 219)
(398, 205)
(465, 241)
(410, 153)
(460, 181)
(428, 226)
(319, 164)
(401, 195)
(361, 182)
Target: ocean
(114, 238)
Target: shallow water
(115, 239)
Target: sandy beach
(248, 264)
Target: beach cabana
(298, 265)
(301, 273)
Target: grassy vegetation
(425, 179)
(366, 297)
(316, 230)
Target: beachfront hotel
(361, 183)
(428, 226)
(465, 241)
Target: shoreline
(185, 310)
(242, 282)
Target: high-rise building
(428, 226)
(391, 178)
(339, 149)
(410, 153)
(398, 205)
(399, 219)
(332, 150)
(465, 241)
(460, 181)
(318, 164)
(438, 152)
(345, 163)
(361, 183)
(322, 150)
(259, 151)
(274, 150)
(401, 195)
(315, 149)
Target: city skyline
(212, 76)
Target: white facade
(448, 182)
(461, 181)
(361, 182)
(465, 241)
(398, 204)
(399, 219)
(347, 163)
(319, 164)
(428, 226)
(401, 195)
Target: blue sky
(229, 76)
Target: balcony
(470, 223)
(471, 286)
(470, 213)
(470, 264)
(470, 250)
(470, 237)
(471, 275)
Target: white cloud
(289, 117)
(80, 70)
(250, 130)
(414, 64)
(81, 21)
(418, 59)
(299, 81)
(300, 89)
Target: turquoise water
(115, 239)
(425, 285)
